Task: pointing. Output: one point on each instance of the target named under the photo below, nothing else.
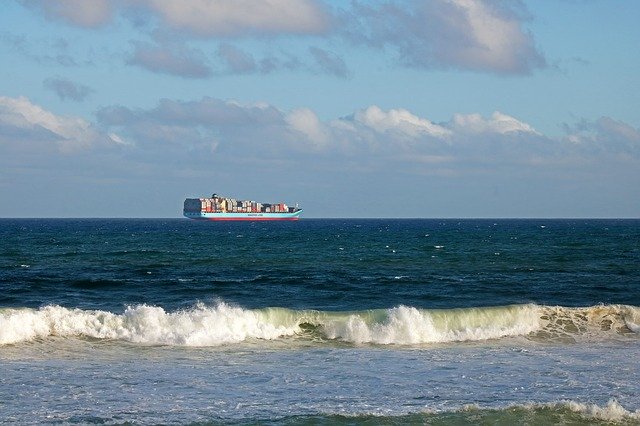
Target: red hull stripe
(250, 219)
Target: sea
(320, 321)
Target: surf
(560, 412)
(223, 323)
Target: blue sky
(439, 108)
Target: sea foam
(200, 326)
(402, 325)
(612, 412)
(408, 325)
(559, 412)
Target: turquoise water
(320, 321)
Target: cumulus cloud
(214, 127)
(306, 122)
(67, 89)
(210, 129)
(202, 127)
(399, 120)
(264, 130)
(23, 122)
(498, 123)
(170, 58)
(467, 34)
(605, 136)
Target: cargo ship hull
(242, 216)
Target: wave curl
(402, 325)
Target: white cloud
(22, 121)
(307, 122)
(475, 35)
(399, 120)
(180, 129)
(498, 123)
(263, 131)
(498, 41)
(605, 136)
(204, 18)
(241, 17)
(488, 33)
(372, 136)
(117, 139)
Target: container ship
(224, 208)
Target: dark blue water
(319, 264)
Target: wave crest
(612, 412)
(408, 325)
(401, 325)
(576, 324)
(201, 326)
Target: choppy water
(320, 321)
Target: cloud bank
(212, 129)
(217, 129)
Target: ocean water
(320, 322)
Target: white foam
(404, 325)
(591, 322)
(631, 315)
(201, 326)
(407, 325)
(401, 325)
(612, 412)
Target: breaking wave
(402, 325)
(562, 412)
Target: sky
(390, 108)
